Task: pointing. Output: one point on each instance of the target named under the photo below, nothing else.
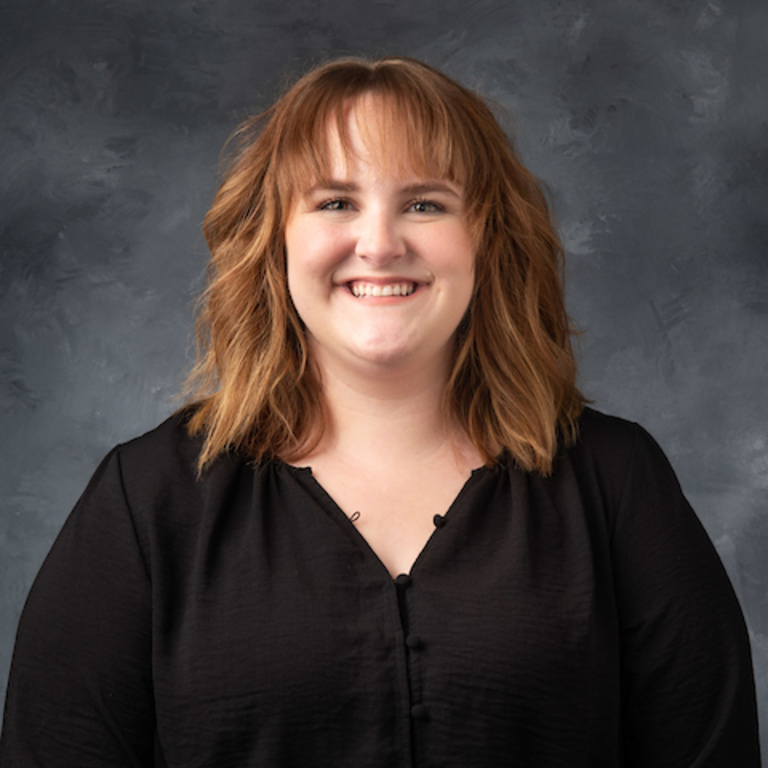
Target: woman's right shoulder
(169, 448)
(160, 467)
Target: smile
(363, 290)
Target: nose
(379, 239)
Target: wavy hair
(512, 386)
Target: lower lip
(382, 300)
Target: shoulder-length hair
(512, 384)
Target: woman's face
(380, 264)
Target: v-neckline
(337, 514)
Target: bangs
(411, 125)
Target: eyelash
(331, 205)
(433, 206)
(339, 204)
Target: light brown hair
(512, 385)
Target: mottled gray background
(648, 120)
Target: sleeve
(688, 687)
(80, 687)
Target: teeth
(391, 289)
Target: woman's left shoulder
(613, 447)
(616, 467)
(603, 435)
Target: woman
(385, 531)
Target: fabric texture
(583, 619)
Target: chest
(395, 511)
(290, 630)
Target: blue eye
(334, 205)
(425, 206)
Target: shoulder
(159, 468)
(168, 449)
(603, 436)
(612, 445)
(615, 465)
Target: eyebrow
(431, 186)
(421, 188)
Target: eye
(425, 206)
(335, 204)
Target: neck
(391, 417)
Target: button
(439, 521)
(413, 642)
(419, 712)
(403, 580)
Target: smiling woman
(384, 530)
(380, 269)
(380, 266)
(511, 379)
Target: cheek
(309, 275)
(296, 275)
(300, 266)
(312, 253)
(461, 260)
(465, 265)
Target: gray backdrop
(648, 120)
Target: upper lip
(381, 280)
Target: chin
(386, 358)
(392, 352)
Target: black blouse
(582, 619)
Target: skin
(384, 358)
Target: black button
(403, 580)
(439, 521)
(413, 642)
(418, 712)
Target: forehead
(372, 130)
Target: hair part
(513, 382)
